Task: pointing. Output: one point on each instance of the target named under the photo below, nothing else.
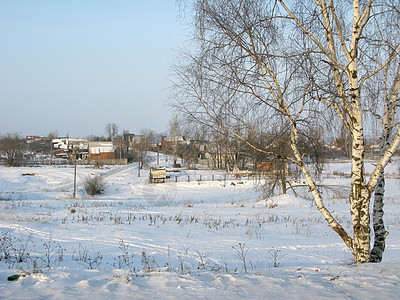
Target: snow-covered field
(208, 239)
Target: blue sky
(74, 66)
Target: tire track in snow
(110, 242)
(110, 173)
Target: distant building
(170, 142)
(139, 139)
(128, 137)
(68, 143)
(203, 149)
(34, 138)
(67, 147)
(101, 150)
(154, 142)
(333, 145)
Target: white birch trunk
(380, 232)
(314, 191)
(359, 200)
(359, 196)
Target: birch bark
(380, 232)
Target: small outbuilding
(102, 150)
(157, 175)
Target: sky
(75, 66)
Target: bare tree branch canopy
(111, 131)
(257, 62)
(12, 147)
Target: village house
(102, 150)
(66, 148)
(35, 138)
(171, 142)
(154, 143)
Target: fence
(63, 162)
(256, 176)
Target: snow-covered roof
(101, 147)
(66, 143)
(177, 138)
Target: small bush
(98, 164)
(94, 185)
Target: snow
(183, 238)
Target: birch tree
(388, 134)
(346, 64)
(259, 60)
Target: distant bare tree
(12, 147)
(95, 138)
(111, 131)
(126, 143)
(344, 142)
(282, 171)
(139, 147)
(42, 146)
(174, 132)
(52, 135)
(150, 136)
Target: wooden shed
(102, 150)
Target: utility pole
(51, 151)
(139, 165)
(74, 151)
(139, 157)
(158, 154)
